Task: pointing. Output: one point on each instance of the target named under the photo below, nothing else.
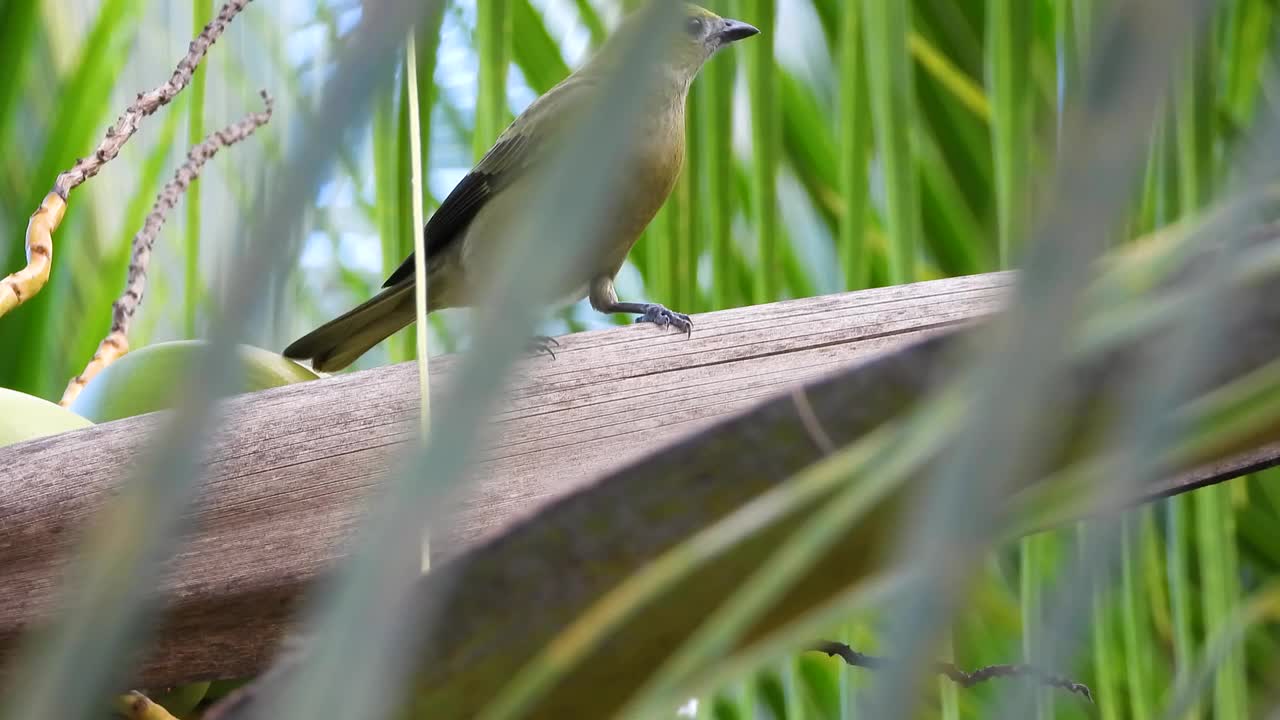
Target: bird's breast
(652, 174)
(649, 170)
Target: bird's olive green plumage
(467, 232)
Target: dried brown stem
(24, 284)
(116, 343)
(960, 677)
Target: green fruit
(148, 379)
(181, 700)
(219, 689)
(25, 417)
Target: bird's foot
(662, 317)
(539, 344)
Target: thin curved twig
(25, 283)
(955, 674)
(116, 343)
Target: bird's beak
(735, 30)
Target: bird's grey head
(703, 34)
(699, 35)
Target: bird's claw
(542, 344)
(662, 317)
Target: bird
(466, 231)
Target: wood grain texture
(658, 426)
(289, 469)
(487, 613)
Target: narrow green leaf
(390, 127)
(1106, 656)
(712, 136)
(534, 50)
(1009, 32)
(765, 141)
(1036, 559)
(493, 46)
(886, 27)
(854, 135)
(18, 27)
(201, 14)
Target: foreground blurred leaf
(610, 539)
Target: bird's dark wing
(496, 169)
(510, 157)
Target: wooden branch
(289, 469)
(287, 473)
(585, 544)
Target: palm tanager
(467, 227)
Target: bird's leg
(605, 299)
(657, 314)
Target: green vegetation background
(844, 148)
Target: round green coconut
(148, 379)
(26, 417)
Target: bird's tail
(338, 343)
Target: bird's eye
(693, 26)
